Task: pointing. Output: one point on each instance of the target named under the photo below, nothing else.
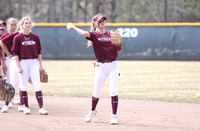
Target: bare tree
(62, 4)
(70, 11)
(113, 10)
(51, 11)
(116, 10)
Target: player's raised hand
(70, 26)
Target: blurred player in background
(106, 66)
(2, 28)
(10, 66)
(27, 51)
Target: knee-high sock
(25, 98)
(94, 103)
(39, 98)
(21, 98)
(114, 101)
(6, 103)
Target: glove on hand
(43, 76)
(115, 37)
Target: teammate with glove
(7, 91)
(10, 65)
(106, 54)
(2, 28)
(27, 51)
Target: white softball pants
(102, 70)
(14, 79)
(30, 69)
(7, 73)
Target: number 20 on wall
(128, 32)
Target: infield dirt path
(67, 114)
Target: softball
(198, 95)
(69, 25)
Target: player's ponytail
(92, 29)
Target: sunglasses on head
(101, 21)
(2, 29)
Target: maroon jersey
(103, 48)
(26, 47)
(1, 36)
(4, 35)
(7, 40)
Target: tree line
(117, 11)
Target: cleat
(43, 111)
(27, 110)
(21, 108)
(10, 104)
(5, 109)
(89, 116)
(113, 120)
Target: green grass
(173, 81)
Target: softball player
(11, 27)
(106, 65)
(2, 28)
(27, 49)
(10, 68)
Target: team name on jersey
(104, 39)
(26, 43)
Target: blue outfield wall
(139, 42)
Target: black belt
(106, 61)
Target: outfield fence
(141, 41)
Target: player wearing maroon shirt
(9, 66)
(106, 54)
(2, 28)
(7, 41)
(27, 50)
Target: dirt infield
(67, 113)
